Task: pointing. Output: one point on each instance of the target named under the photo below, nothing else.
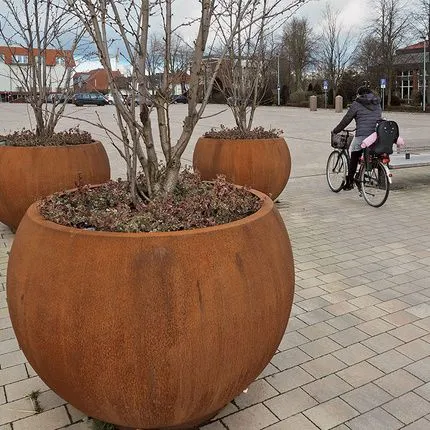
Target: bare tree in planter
(129, 21)
(248, 69)
(29, 29)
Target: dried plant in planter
(193, 204)
(73, 136)
(237, 133)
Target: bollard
(338, 104)
(313, 103)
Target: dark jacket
(366, 110)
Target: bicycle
(373, 177)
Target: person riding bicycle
(366, 110)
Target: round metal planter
(29, 173)
(261, 164)
(151, 330)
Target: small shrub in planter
(236, 133)
(193, 204)
(25, 138)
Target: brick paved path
(356, 353)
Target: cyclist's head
(363, 90)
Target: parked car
(81, 99)
(109, 98)
(137, 99)
(58, 98)
(181, 98)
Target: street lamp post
(424, 76)
(279, 85)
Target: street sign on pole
(325, 88)
(383, 86)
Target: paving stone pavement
(356, 352)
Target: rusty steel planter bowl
(151, 330)
(261, 164)
(29, 173)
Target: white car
(109, 98)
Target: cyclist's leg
(356, 152)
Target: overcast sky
(353, 14)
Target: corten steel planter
(29, 173)
(151, 330)
(262, 164)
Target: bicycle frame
(383, 158)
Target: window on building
(61, 61)
(20, 59)
(405, 79)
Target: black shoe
(348, 186)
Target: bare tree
(30, 29)
(251, 54)
(179, 62)
(298, 44)
(390, 27)
(367, 60)
(336, 49)
(130, 20)
(422, 18)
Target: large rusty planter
(262, 164)
(151, 330)
(29, 173)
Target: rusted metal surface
(261, 164)
(29, 173)
(151, 330)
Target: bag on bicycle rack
(387, 134)
(341, 140)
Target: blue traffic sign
(383, 83)
(325, 85)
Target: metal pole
(279, 85)
(383, 97)
(424, 77)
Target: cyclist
(366, 110)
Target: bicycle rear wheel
(374, 184)
(336, 170)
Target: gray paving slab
(356, 351)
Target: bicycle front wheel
(374, 184)
(336, 170)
